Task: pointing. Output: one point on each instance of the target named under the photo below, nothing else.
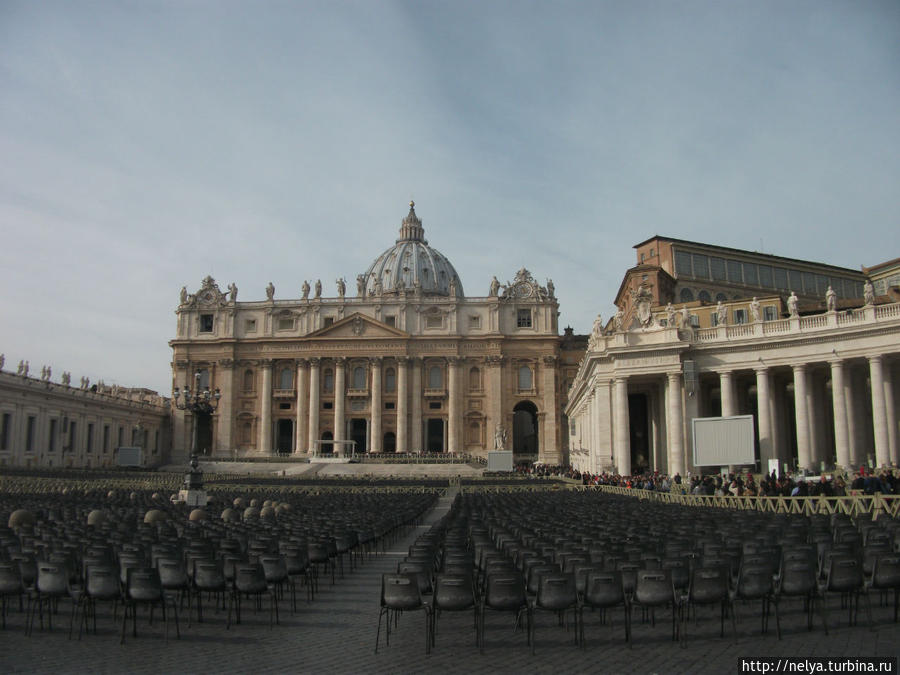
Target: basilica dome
(412, 265)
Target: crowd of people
(734, 484)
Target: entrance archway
(390, 442)
(639, 432)
(284, 436)
(326, 447)
(358, 434)
(204, 434)
(434, 435)
(525, 431)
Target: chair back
(400, 591)
(102, 583)
(505, 591)
(603, 589)
(143, 585)
(886, 571)
(52, 579)
(709, 584)
(556, 591)
(249, 578)
(453, 592)
(654, 587)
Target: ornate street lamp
(196, 402)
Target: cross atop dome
(411, 227)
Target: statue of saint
(378, 286)
(551, 289)
(453, 287)
(361, 285)
(318, 288)
(754, 309)
(341, 287)
(304, 289)
(685, 317)
(830, 299)
(597, 329)
(183, 296)
(619, 320)
(670, 315)
(2, 360)
(721, 314)
(270, 291)
(232, 291)
(869, 293)
(500, 437)
(793, 305)
(495, 287)
(67, 378)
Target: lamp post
(196, 402)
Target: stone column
(674, 424)
(225, 413)
(879, 413)
(454, 413)
(415, 442)
(375, 415)
(813, 408)
(340, 394)
(402, 400)
(764, 419)
(495, 398)
(302, 419)
(802, 417)
(891, 415)
(265, 408)
(726, 386)
(622, 428)
(550, 448)
(857, 456)
(839, 405)
(315, 390)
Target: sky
(144, 145)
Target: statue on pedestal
(361, 285)
(754, 309)
(304, 290)
(270, 291)
(721, 314)
(318, 288)
(830, 300)
(500, 437)
(341, 287)
(619, 320)
(184, 295)
(793, 305)
(670, 315)
(232, 289)
(495, 287)
(869, 293)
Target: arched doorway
(525, 431)
(204, 433)
(434, 435)
(284, 436)
(358, 434)
(390, 442)
(326, 447)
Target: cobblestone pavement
(336, 634)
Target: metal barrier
(852, 505)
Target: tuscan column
(675, 424)
(302, 406)
(340, 391)
(801, 416)
(453, 409)
(375, 443)
(550, 447)
(879, 414)
(265, 414)
(726, 386)
(314, 404)
(764, 419)
(841, 444)
(415, 442)
(402, 398)
(853, 444)
(622, 430)
(225, 413)
(891, 415)
(813, 407)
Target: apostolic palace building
(406, 362)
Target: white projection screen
(724, 441)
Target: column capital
(227, 363)
(454, 360)
(302, 363)
(673, 375)
(376, 361)
(494, 360)
(836, 362)
(798, 367)
(875, 358)
(340, 360)
(265, 363)
(761, 370)
(403, 360)
(550, 360)
(181, 364)
(315, 362)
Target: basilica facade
(406, 363)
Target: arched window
(285, 379)
(248, 380)
(359, 377)
(475, 379)
(473, 437)
(435, 377)
(686, 295)
(525, 378)
(328, 381)
(704, 296)
(721, 297)
(390, 380)
(245, 429)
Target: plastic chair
(556, 593)
(400, 593)
(143, 587)
(603, 590)
(504, 592)
(453, 593)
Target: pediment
(359, 326)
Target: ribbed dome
(411, 262)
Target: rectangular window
(838, 286)
(89, 441)
(434, 405)
(809, 283)
(29, 434)
(821, 284)
(765, 277)
(740, 316)
(286, 323)
(51, 442)
(769, 313)
(4, 431)
(389, 405)
(795, 281)
(781, 278)
(701, 266)
(751, 275)
(390, 321)
(328, 321)
(105, 438)
(328, 405)
(713, 319)
(250, 325)
(717, 268)
(734, 272)
(683, 264)
(206, 323)
(284, 406)
(695, 321)
(474, 321)
(523, 318)
(434, 321)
